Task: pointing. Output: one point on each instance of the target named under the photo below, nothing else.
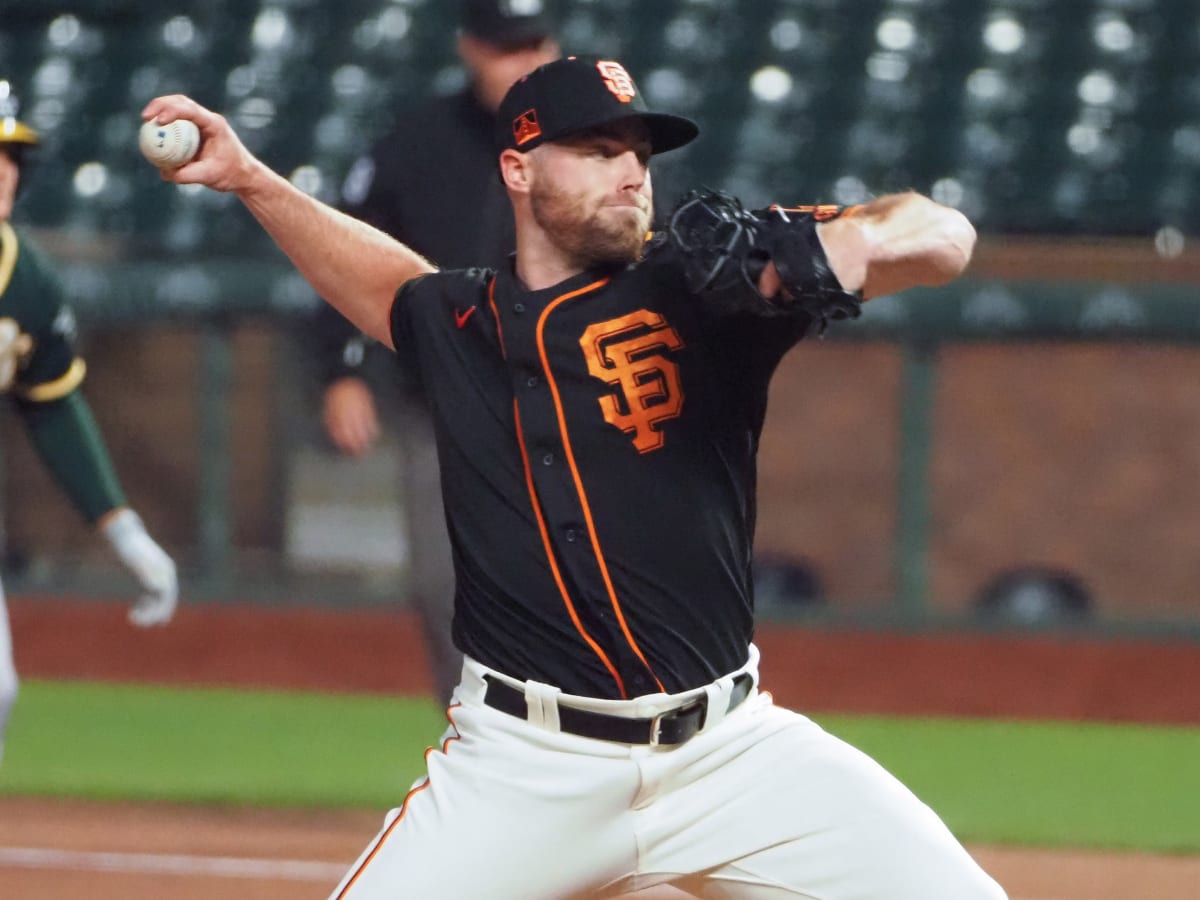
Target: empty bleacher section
(1032, 115)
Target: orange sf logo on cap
(617, 80)
(526, 127)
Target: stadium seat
(1034, 116)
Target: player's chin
(631, 224)
(619, 247)
(627, 216)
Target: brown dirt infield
(131, 851)
(159, 837)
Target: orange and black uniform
(597, 442)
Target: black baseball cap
(506, 23)
(574, 94)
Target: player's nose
(632, 170)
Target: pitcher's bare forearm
(898, 241)
(353, 266)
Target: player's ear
(514, 170)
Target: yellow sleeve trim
(8, 255)
(59, 387)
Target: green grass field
(1044, 783)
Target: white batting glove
(149, 563)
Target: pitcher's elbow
(962, 236)
(954, 250)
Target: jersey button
(518, 308)
(531, 381)
(548, 459)
(571, 535)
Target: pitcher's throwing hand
(222, 162)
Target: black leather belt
(666, 729)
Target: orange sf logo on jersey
(626, 353)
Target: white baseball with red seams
(171, 144)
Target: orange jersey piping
(587, 511)
(387, 833)
(541, 522)
(496, 316)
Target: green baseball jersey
(41, 373)
(37, 359)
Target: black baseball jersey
(597, 442)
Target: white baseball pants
(8, 671)
(761, 804)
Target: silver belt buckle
(656, 729)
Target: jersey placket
(544, 422)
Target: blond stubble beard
(585, 238)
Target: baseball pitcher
(598, 401)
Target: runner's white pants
(761, 804)
(8, 671)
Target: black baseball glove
(724, 245)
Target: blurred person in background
(41, 376)
(430, 182)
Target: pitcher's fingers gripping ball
(170, 144)
(221, 161)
